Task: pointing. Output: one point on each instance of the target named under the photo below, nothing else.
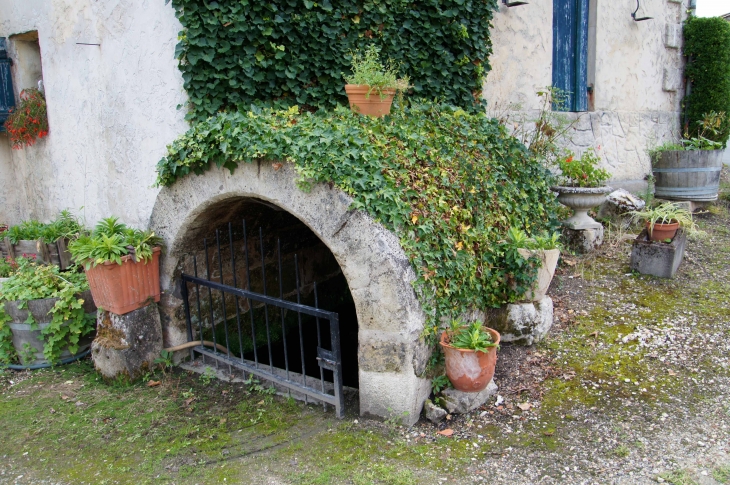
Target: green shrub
(707, 46)
(448, 183)
(294, 51)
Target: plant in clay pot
(122, 264)
(663, 221)
(371, 86)
(546, 249)
(581, 187)
(470, 352)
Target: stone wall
(112, 107)
(634, 67)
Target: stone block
(458, 402)
(433, 413)
(657, 258)
(522, 323)
(583, 240)
(127, 345)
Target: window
(7, 98)
(570, 52)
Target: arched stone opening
(369, 259)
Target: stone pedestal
(522, 323)
(657, 258)
(463, 402)
(583, 240)
(127, 345)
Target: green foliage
(707, 46)
(519, 239)
(165, 360)
(65, 225)
(111, 240)
(233, 54)
(68, 323)
(471, 337)
(447, 182)
(722, 474)
(7, 267)
(439, 383)
(368, 69)
(709, 126)
(666, 213)
(583, 172)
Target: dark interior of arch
(236, 260)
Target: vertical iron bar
(299, 317)
(248, 287)
(235, 284)
(281, 311)
(189, 321)
(197, 293)
(266, 307)
(210, 298)
(319, 342)
(223, 293)
(337, 381)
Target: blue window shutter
(570, 52)
(7, 98)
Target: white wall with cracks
(112, 108)
(635, 69)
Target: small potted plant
(470, 352)
(371, 86)
(663, 221)
(689, 169)
(546, 249)
(46, 242)
(28, 122)
(581, 187)
(122, 264)
(45, 315)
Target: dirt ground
(631, 386)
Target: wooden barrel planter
(688, 175)
(24, 335)
(49, 253)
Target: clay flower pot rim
(364, 88)
(582, 190)
(496, 337)
(127, 257)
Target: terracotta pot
(549, 259)
(469, 370)
(123, 288)
(369, 104)
(662, 232)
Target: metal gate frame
(327, 359)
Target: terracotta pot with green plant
(544, 248)
(581, 188)
(663, 221)
(122, 264)
(470, 353)
(372, 85)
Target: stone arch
(378, 273)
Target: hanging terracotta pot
(470, 370)
(662, 232)
(372, 104)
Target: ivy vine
(232, 54)
(449, 183)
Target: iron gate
(328, 392)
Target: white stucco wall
(635, 68)
(112, 108)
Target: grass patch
(678, 477)
(722, 474)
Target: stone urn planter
(688, 175)
(549, 261)
(581, 200)
(470, 370)
(28, 339)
